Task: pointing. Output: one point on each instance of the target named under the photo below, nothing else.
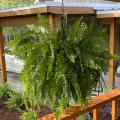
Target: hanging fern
(61, 65)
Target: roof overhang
(108, 14)
(48, 9)
(71, 10)
(22, 12)
(102, 10)
(24, 15)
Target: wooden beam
(22, 11)
(95, 103)
(33, 19)
(2, 57)
(71, 10)
(19, 21)
(96, 114)
(112, 49)
(108, 14)
(114, 110)
(46, 10)
(52, 20)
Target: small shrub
(15, 101)
(29, 115)
(4, 91)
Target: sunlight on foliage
(15, 101)
(5, 91)
(61, 65)
(29, 115)
(13, 3)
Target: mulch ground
(10, 114)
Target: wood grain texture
(2, 57)
(19, 21)
(109, 15)
(52, 20)
(71, 10)
(47, 10)
(114, 110)
(96, 114)
(112, 49)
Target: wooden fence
(94, 105)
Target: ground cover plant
(12, 106)
(5, 91)
(15, 101)
(13, 3)
(5, 112)
(60, 65)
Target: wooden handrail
(94, 104)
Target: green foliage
(4, 4)
(61, 65)
(15, 101)
(11, 3)
(29, 115)
(23, 43)
(4, 91)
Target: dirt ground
(10, 114)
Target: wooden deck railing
(94, 105)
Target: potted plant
(61, 65)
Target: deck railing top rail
(74, 111)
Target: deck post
(114, 110)
(52, 20)
(112, 49)
(96, 114)
(2, 57)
